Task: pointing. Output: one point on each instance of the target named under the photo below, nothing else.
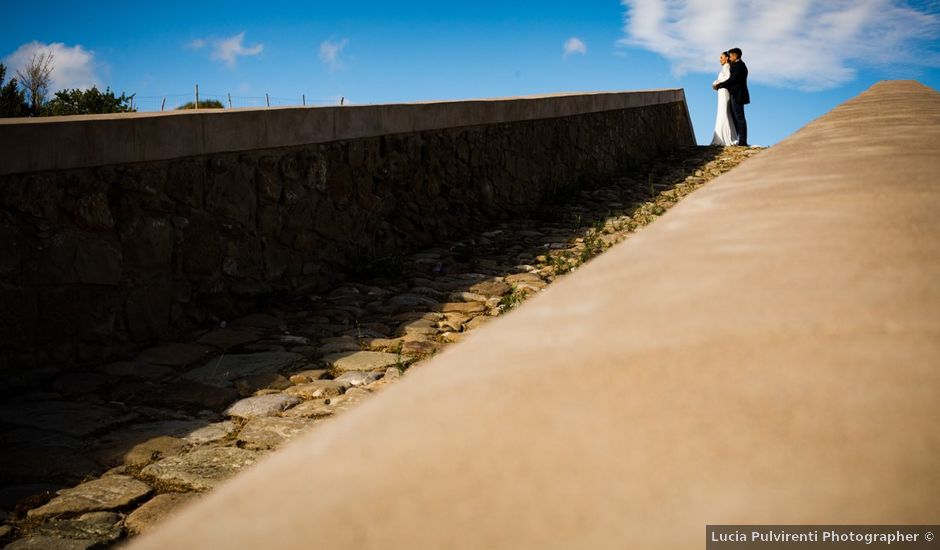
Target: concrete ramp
(767, 352)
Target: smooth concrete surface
(768, 352)
(61, 143)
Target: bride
(725, 134)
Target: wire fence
(170, 102)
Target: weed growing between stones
(559, 263)
(511, 300)
(400, 363)
(593, 245)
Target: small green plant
(399, 364)
(559, 263)
(593, 245)
(511, 300)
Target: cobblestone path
(96, 455)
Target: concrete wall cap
(61, 143)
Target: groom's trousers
(740, 124)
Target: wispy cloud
(575, 45)
(330, 53)
(227, 50)
(805, 44)
(73, 66)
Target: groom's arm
(732, 81)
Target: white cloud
(575, 45)
(73, 66)
(231, 48)
(227, 50)
(330, 53)
(805, 44)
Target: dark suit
(737, 89)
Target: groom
(737, 89)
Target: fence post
(303, 98)
(229, 100)
(197, 97)
(162, 105)
(267, 99)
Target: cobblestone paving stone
(98, 455)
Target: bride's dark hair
(726, 54)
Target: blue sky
(805, 56)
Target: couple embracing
(730, 126)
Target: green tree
(87, 102)
(12, 99)
(203, 104)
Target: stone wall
(94, 259)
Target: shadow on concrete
(170, 399)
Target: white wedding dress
(725, 134)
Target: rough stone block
(73, 418)
(93, 213)
(73, 257)
(224, 370)
(202, 469)
(174, 354)
(230, 193)
(148, 243)
(262, 405)
(186, 182)
(36, 195)
(200, 247)
(148, 310)
(270, 433)
(107, 493)
(155, 510)
(34, 463)
(363, 360)
(196, 395)
(19, 315)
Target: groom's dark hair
(735, 51)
